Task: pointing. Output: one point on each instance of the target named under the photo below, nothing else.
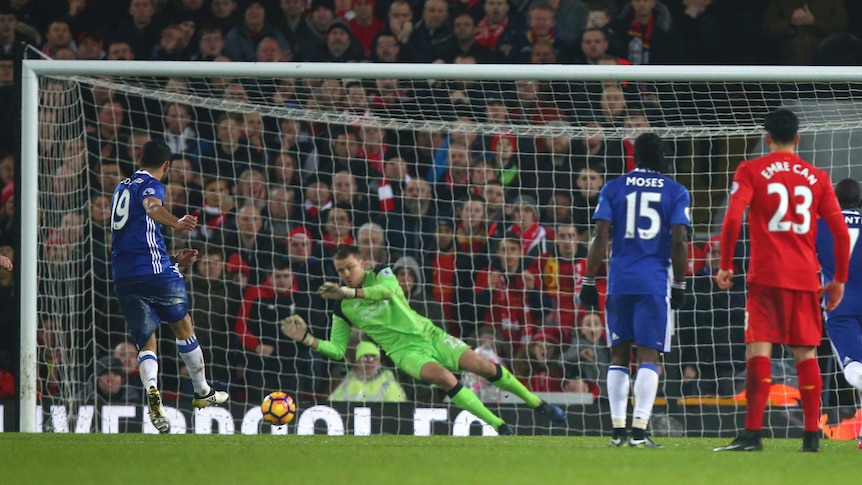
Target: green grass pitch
(402, 460)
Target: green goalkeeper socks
(506, 381)
(466, 400)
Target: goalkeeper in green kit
(373, 302)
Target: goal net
(475, 184)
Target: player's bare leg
(645, 389)
(464, 398)
(193, 357)
(758, 380)
(810, 389)
(148, 366)
(502, 378)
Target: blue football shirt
(138, 247)
(641, 206)
(851, 304)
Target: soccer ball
(278, 408)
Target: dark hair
(495, 242)
(849, 194)
(464, 14)
(212, 250)
(344, 251)
(472, 197)
(595, 29)
(281, 264)
(154, 154)
(649, 152)
(782, 125)
(511, 237)
(209, 28)
(541, 5)
(383, 33)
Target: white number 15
(644, 209)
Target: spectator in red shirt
(510, 295)
(365, 25)
(534, 236)
(274, 361)
(442, 265)
(498, 30)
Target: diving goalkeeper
(373, 302)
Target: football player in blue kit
(147, 280)
(844, 323)
(644, 216)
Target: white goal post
(829, 118)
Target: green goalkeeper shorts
(441, 348)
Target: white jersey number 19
(120, 210)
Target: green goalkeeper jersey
(383, 314)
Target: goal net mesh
(477, 193)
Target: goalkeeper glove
(295, 328)
(332, 291)
(677, 295)
(589, 296)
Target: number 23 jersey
(786, 195)
(641, 206)
(138, 247)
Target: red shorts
(783, 316)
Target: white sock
(619, 382)
(190, 351)
(646, 387)
(148, 367)
(853, 374)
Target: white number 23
(803, 208)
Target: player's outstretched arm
(295, 328)
(383, 291)
(334, 291)
(157, 212)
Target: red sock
(810, 388)
(758, 380)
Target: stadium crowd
(487, 234)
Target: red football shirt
(786, 195)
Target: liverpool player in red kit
(786, 195)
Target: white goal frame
(32, 70)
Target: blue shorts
(146, 301)
(845, 334)
(642, 319)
